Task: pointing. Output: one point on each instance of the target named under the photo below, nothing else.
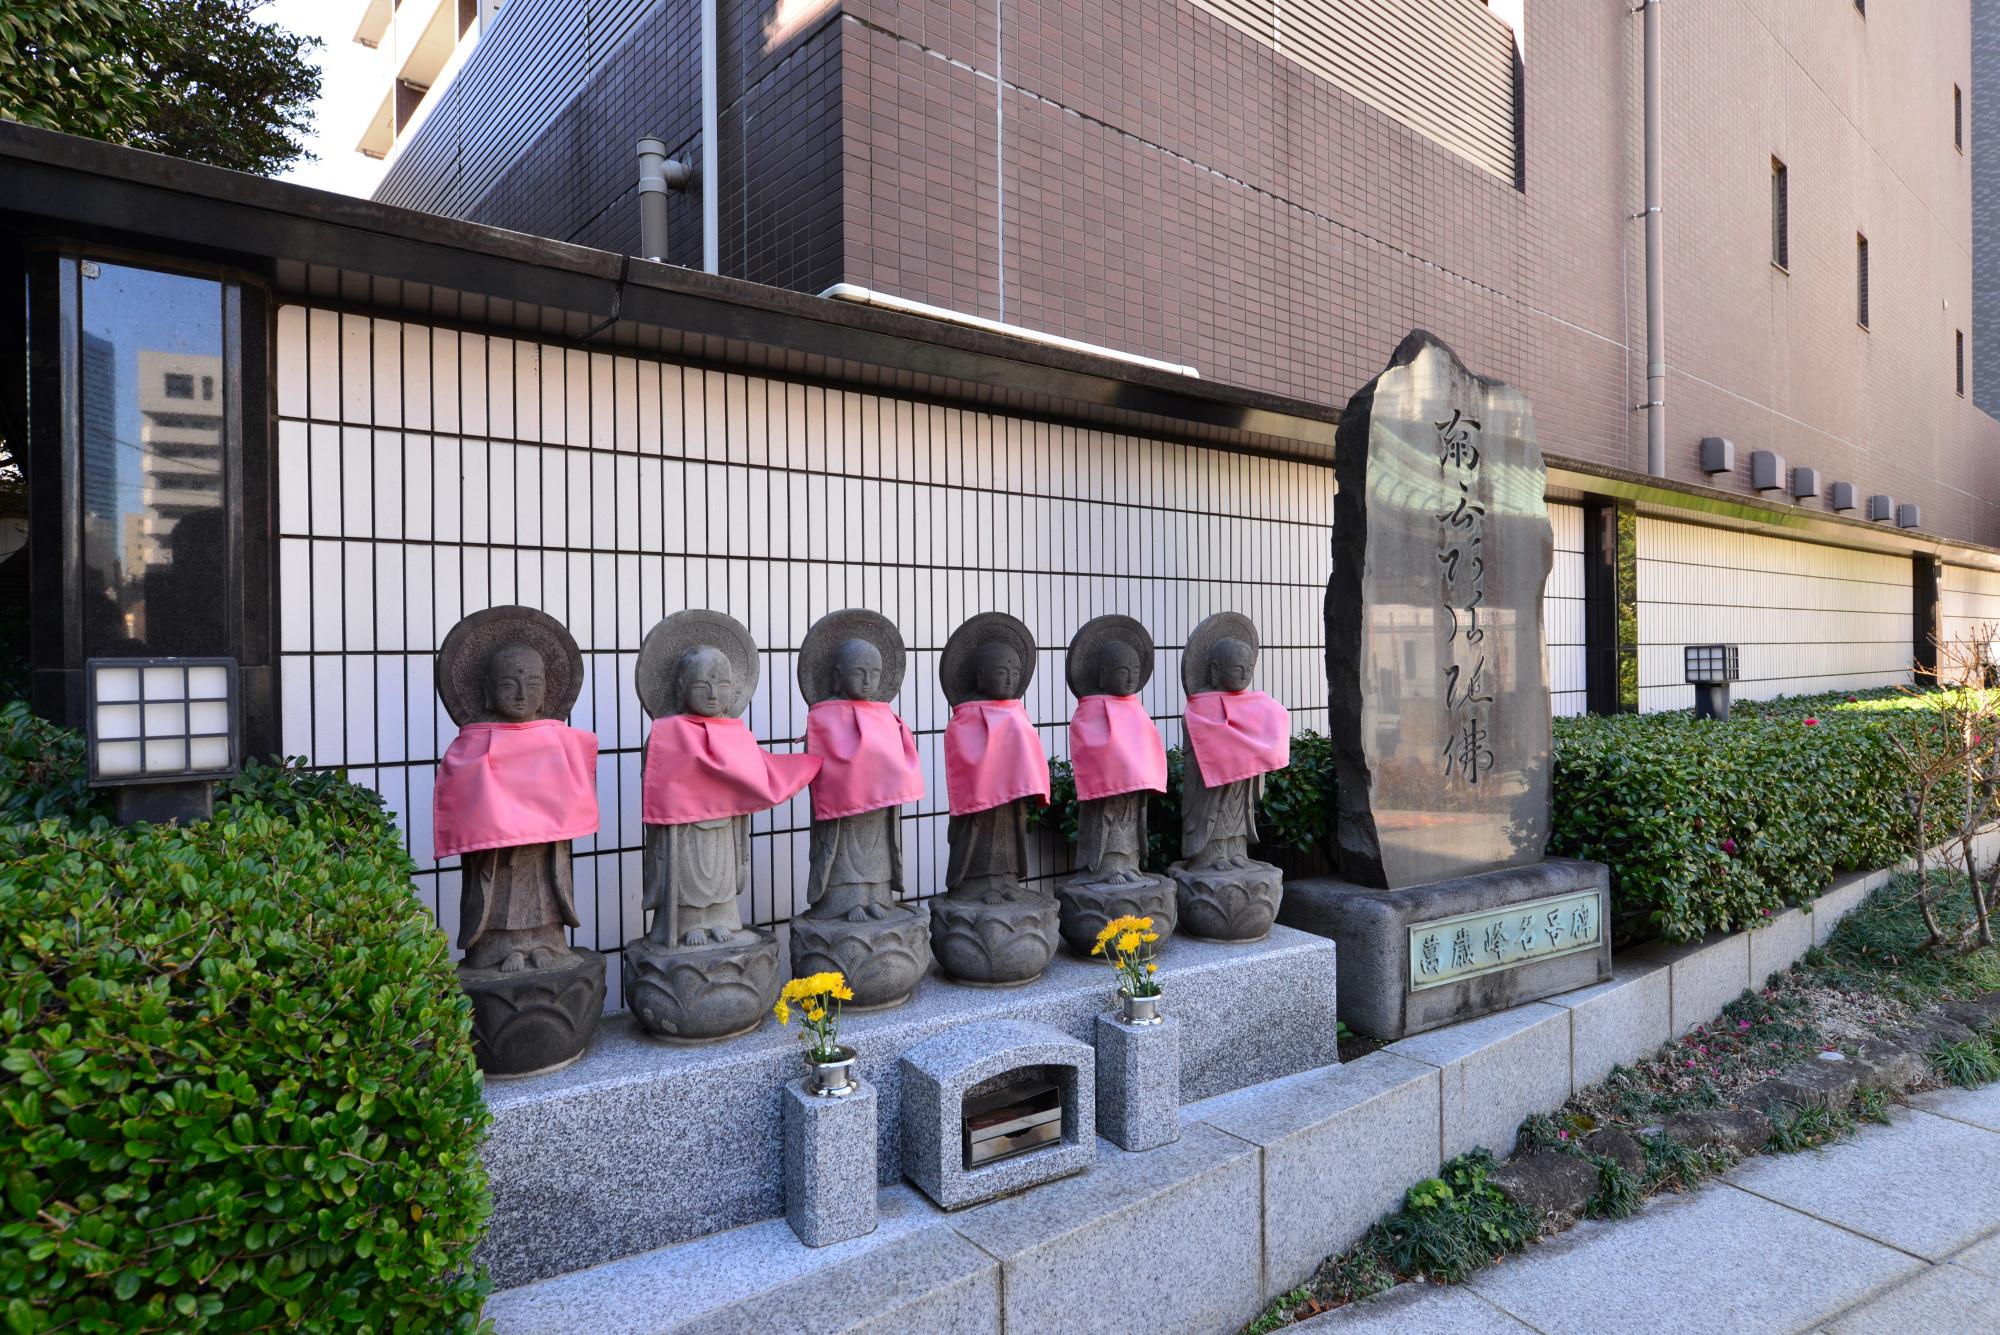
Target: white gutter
(861, 296)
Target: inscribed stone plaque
(1439, 693)
(1469, 944)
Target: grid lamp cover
(1710, 664)
(168, 723)
(1710, 669)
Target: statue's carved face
(517, 683)
(1118, 668)
(998, 671)
(1229, 666)
(857, 671)
(708, 682)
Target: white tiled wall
(1808, 617)
(427, 473)
(1969, 612)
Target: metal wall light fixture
(1718, 454)
(1909, 515)
(1709, 669)
(1881, 508)
(1840, 496)
(1805, 483)
(162, 731)
(1767, 470)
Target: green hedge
(238, 1083)
(1714, 826)
(1705, 826)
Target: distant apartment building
(420, 46)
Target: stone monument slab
(1432, 955)
(1438, 691)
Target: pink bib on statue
(1114, 748)
(708, 768)
(992, 755)
(1237, 735)
(503, 784)
(869, 758)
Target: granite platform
(641, 1145)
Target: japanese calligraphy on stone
(1461, 539)
(1434, 626)
(1451, 950)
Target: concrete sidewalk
(1894, 1232)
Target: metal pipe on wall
(653, 200)
(711, 149)
(1656, 319)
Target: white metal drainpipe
(1656, 318)
(711, 150)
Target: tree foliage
(199, 79)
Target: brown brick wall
(1168, 186)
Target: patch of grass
(1880, 947)
(1809, 1129)
(1454, 1223)
(1973, 1062)
(1872, 1105)
(1619, 1192)
(1282, 1311)
(1672, 1166)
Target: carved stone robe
(864, 851)
(515, 898)
(1111, 830)
(1208, 814)
(989, 850)
(698, 867)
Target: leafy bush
(1709, 825)
(1295, 815)
(1452, 1224)
(239, 1086)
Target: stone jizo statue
(1236, 735)
(991, 927)
(698, 974)
(1119, 762)
(850, 666)
(1219, 824)
(513, 789)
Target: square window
(180, 386)
(1861, 280)
(116, 759)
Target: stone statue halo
(1201, 644)
(958, 668)
(1080, 665)
(819, 655)
(658, 674)
(462, 659)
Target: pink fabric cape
(992, 755)
(502, 784)
(870, 759)
(708, 768)
(1114, 748)
(1237, 734)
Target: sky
(346, 86)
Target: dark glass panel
(155, 533)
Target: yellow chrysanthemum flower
(782, 1011)
(1152, 967)
(1128, 943)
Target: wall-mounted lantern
(1709, 669)
(162, 731)
(1805, 483)
(1718, 454)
